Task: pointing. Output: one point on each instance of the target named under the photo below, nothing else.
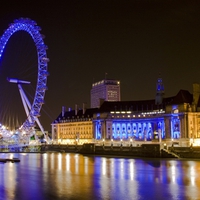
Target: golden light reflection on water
(192, 175)
(9, 180)
(72, 175)
(131, 170)
(104, 166)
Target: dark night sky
(131, 40)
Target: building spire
(159, 91)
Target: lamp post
(111, 142)
(131, 142)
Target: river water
(74, 176)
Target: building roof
(68, 115)
(183, 96)
(127, 105)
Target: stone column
(58, 131)
(182, 127)
(167, 121)
(95, 131)
(195, 125)
(120, 130)
(159, 135)
(103, 129)
(53, 131)
(127, 133)
(115, 130)
(131, 126)
(109, 129)
(145, 131)
(154, 129)
(186, 129)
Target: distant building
(105, 90)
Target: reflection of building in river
(176, 118)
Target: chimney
(196, 92)
(84, 108)
(63, 111)
(76, 109)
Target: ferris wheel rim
(30, 26)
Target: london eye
(23, 76)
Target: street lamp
(131, 142)
(121, 142)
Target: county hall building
(167, 120)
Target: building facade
(176, 119)
(167, 120)
(73, 126)
(105, 90)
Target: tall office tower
(105, 90)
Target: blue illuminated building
(175, 118)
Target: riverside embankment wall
(144, 150)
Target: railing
(172, 153)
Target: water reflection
(74, 176)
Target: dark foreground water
(73, 176)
